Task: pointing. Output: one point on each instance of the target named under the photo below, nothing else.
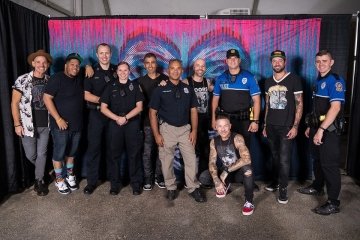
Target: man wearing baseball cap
(283, 111)
(63, 98)
(31, 123)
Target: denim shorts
(66, 143)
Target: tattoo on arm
(245, 158)
(212, 162)
(299, 108)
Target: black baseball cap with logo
(278, 53)
(232, 53)
(73, 56)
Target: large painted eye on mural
(188, 40)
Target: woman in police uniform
(122, 102)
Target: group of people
(149, 117)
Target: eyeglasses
(122, 92)
(107, 79)
(233, 78)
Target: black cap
(73, 56)
(278, 53)
(232, 53)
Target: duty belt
(239, 115)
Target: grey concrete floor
(152, 216)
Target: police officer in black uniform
(324, 124)
(104, 73)
(122, 102)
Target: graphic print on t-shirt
(37, 93)
(228, 156)
(277, 97)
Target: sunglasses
(177, 93)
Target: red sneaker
(248, 208)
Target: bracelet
(59, 119)
(126, 118)
(295, 126)
(322, 128)
(255, 121)
(18, 125)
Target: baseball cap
(73, 56)
(278, 53)
(232, 53)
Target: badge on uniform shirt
(339, 86)
(131, 87)
(244, 80)
(186, 90)
(323, 85)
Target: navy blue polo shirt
(173, 103)
(236, 91)
(329, 88)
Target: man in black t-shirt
(63, 98)
(284, 107)
(150, 158)
(202, 88)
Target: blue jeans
(36, 148)
(66, 143)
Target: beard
(279, 70)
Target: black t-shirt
(226, 150)
(281, 94)
(97, 83)
(122, 98)
(68, 98)
(40, 113)
(202, 94)
(148, 85)
(173, 103)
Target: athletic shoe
(71, 181)
(147, 187)
(62, 187)
(309, 190)
(160, 184)
(223, 194)
(327, 209)
(42, 189)
(272, 187)
(283, 198)
(248, 208)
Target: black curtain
(22, 31)
(353, 161)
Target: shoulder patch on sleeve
(339, 87)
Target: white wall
(196, 7)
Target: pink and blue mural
(189, 39)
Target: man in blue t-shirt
(328, 101)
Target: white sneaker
(62, 187)
(248, 208)
(71, 181)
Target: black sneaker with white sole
(272, 187)
(283, 197)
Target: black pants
(241, 127)
(96, 138)
(129, 138)
(238, 177)
(326, 162)
(202, 147)
(281, 150)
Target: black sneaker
(160, 183)
(42, 189)
(197, 195)
(272, 187)
(309, 190)
(171, 195)
(327, 209)
(283, 198)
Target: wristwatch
(255, 121)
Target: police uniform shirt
(235, 91)
(97, 83)
(68, 98)
(173, 103)
(122, 98)
(281, 95)
(329, 88)
(148, 85)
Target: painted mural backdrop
(189, 39)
